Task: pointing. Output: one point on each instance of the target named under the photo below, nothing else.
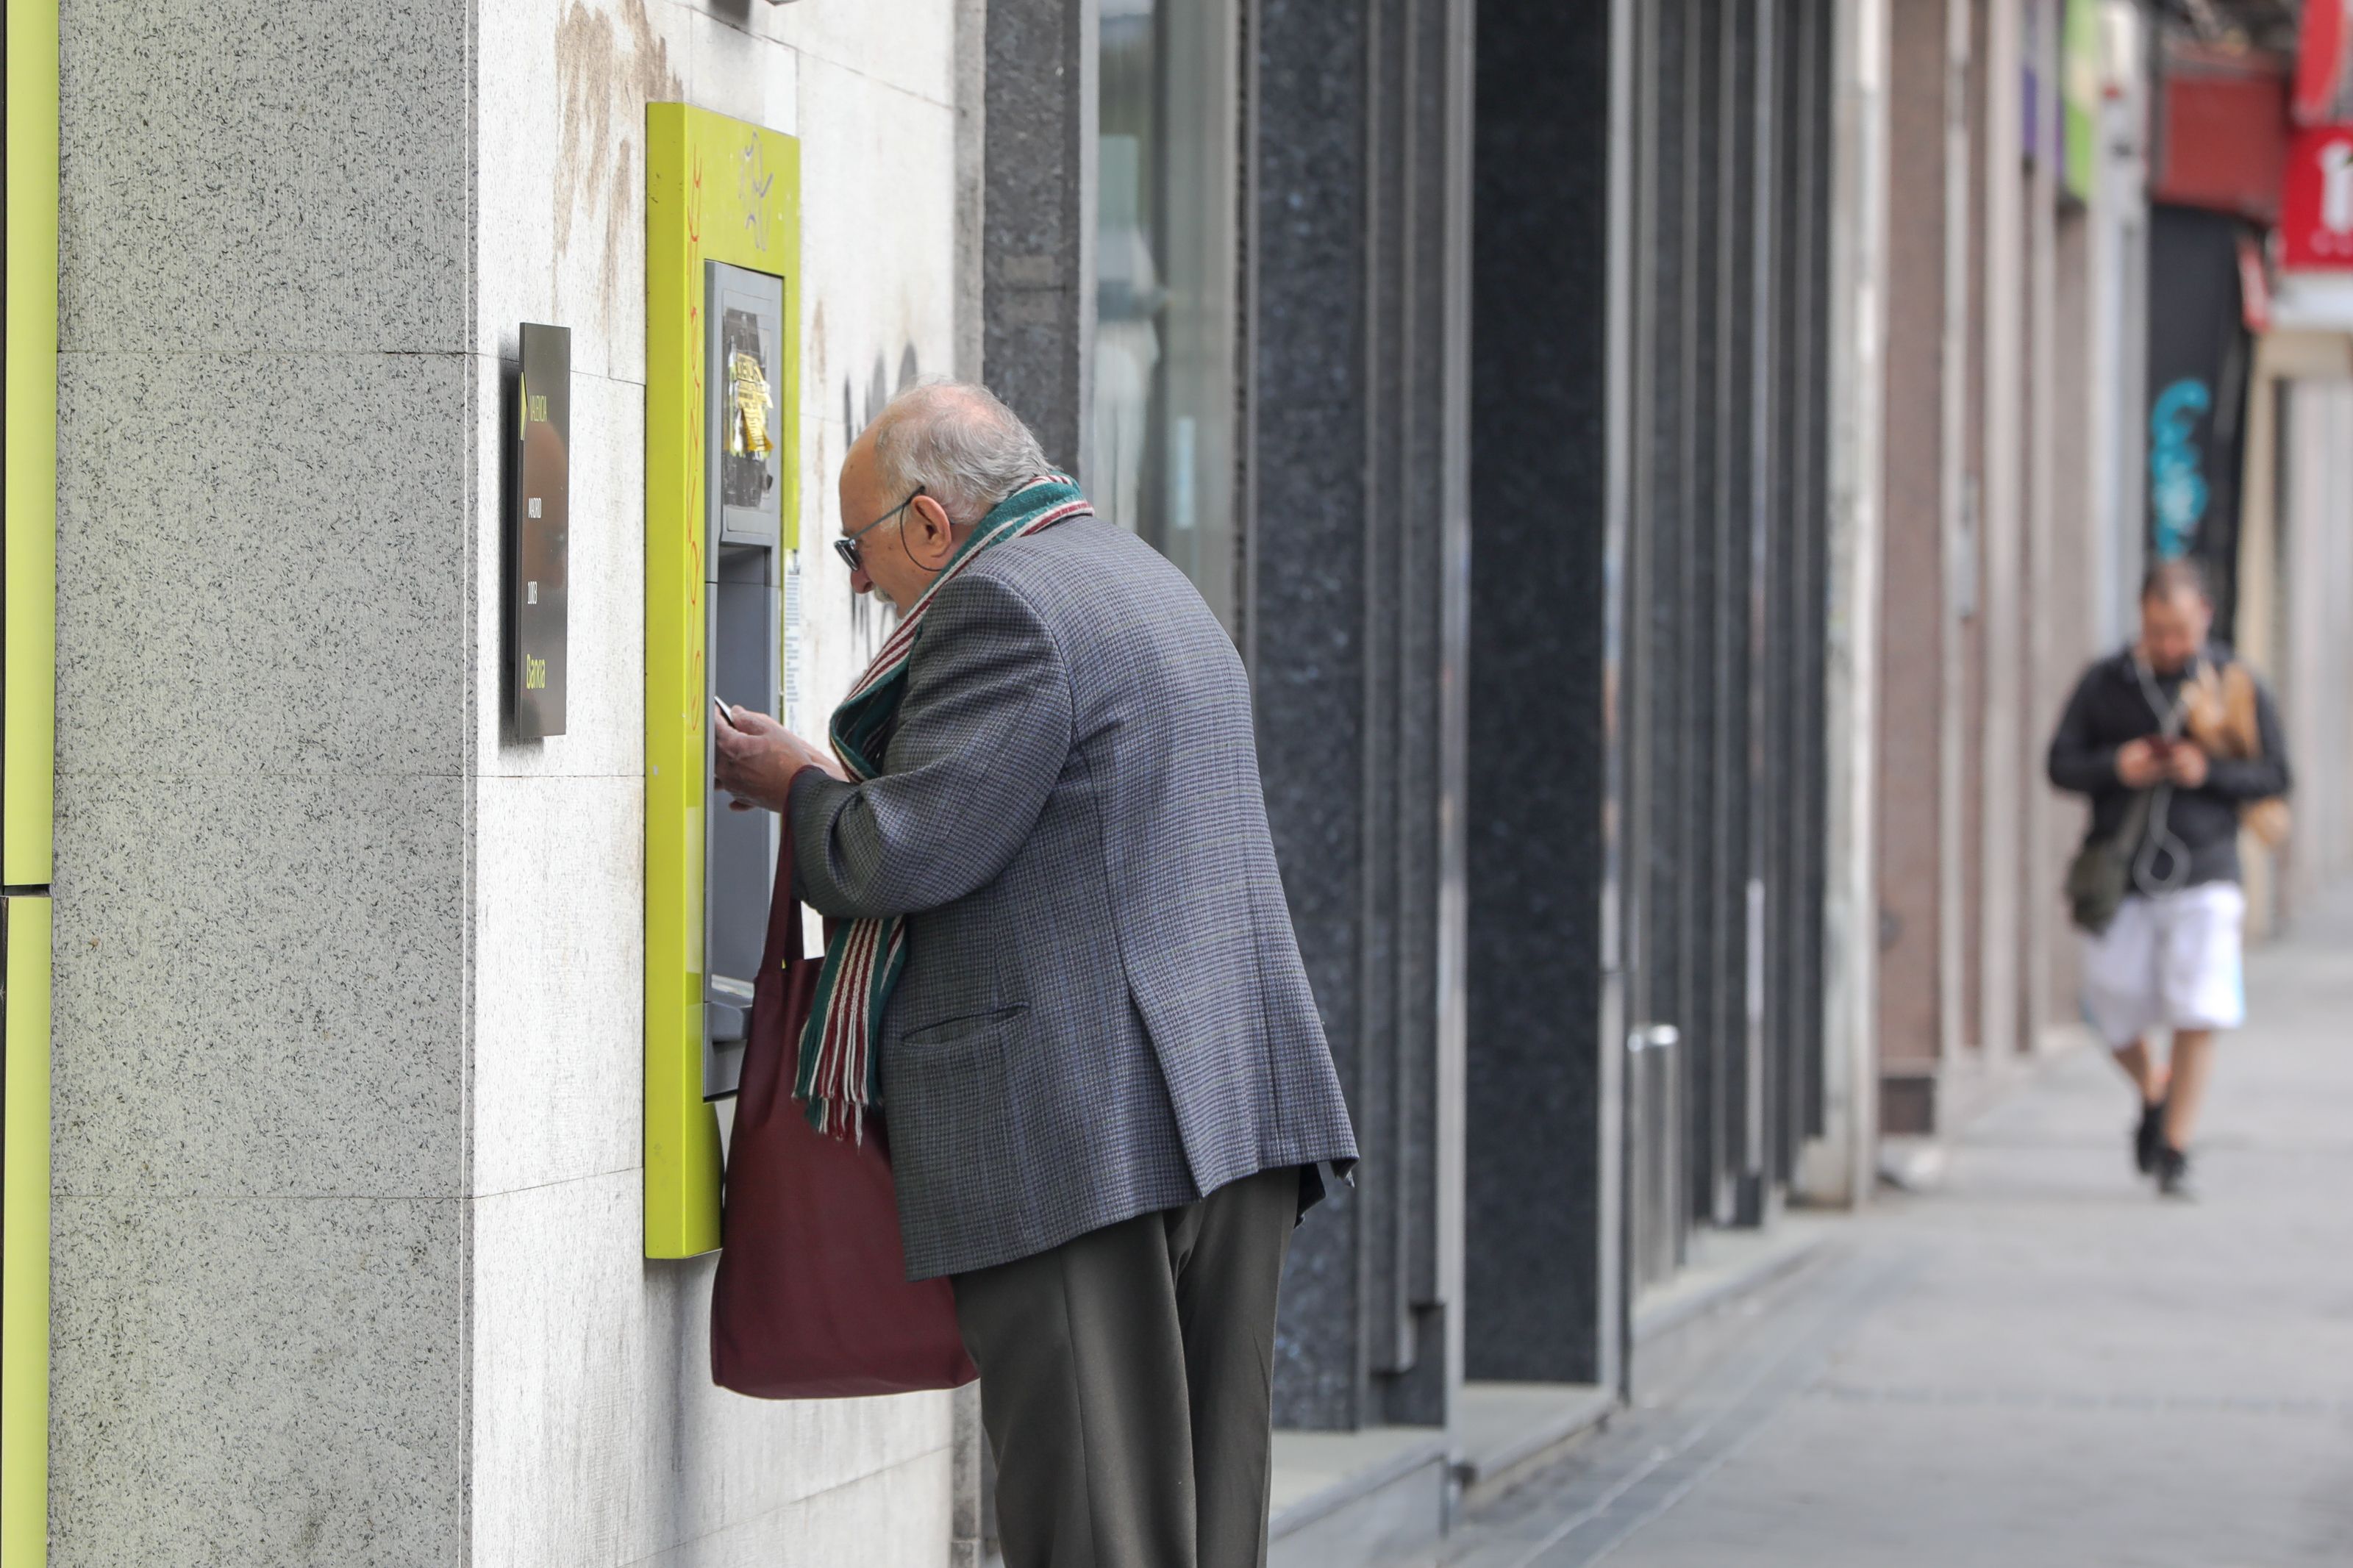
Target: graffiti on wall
(2200, 348)
(2177, 492)
(844, 629)
(871, 616)
(608, 66)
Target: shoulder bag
(812, 1298)
(2101, 873)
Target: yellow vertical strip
(716, 190)
(28, 747)
(25, 1238)
(28, 514)
(682, 1153)
(786, 262)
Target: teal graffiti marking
(2177, 484)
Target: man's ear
(937, 534)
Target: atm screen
(742, 649)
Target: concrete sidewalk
(2040, 1362)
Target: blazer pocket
(948, 1031)
(950, 1107)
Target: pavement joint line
(2043, 1399)
(1741, 1411)
(1799, 1364)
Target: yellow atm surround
(717, 191)
(27, 770)
(28, 513)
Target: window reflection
(1163, 459)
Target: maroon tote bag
(812, 1301)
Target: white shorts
(2170, 961)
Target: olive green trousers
(1125, 1384)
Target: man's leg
(2193, 1061)
(2121, 1001)
(1082, 1395)
(2141, 1067)
(2205, 992)
(1229, 1251)
(2148, 1132)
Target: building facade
(349, 1011)
(1660, 462)
(2017, 299)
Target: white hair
(958, 444)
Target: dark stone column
(1539, 1301)
(1306, 622)
(1697, 556)
(1418, 514)
(1702, 357)
(1038, 218)
(1354, 488)
(1748, 63)
(1796, 584)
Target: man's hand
(755, 758)
(2184, 763)
(2140, 763)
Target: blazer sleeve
(2258, 777)
(983, 731)
(2078, 762)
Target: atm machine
(742, 646)
(723, 368)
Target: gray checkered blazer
(1103, 1012)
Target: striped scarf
(840, 1074)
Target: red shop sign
(2323, 44)
(2317, 204)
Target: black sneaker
(2173, 1179)
(2148, 1137)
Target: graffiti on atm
(753, 179)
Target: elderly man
(2166, 804)
(1042, 836)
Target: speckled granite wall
(1038, 220)
(348, 986)
(1539, 1203)
(1355, 494)
(1307, 620)
(260, 1063)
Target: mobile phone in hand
(720, 708)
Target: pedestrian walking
(2178, 744)
(1063, 972)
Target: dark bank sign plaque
(539, 534)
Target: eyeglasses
(847, 545)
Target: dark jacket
(1103, 1011)
(2110, 707)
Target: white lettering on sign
(535, 506)
(2337, 188)
(531, 593)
